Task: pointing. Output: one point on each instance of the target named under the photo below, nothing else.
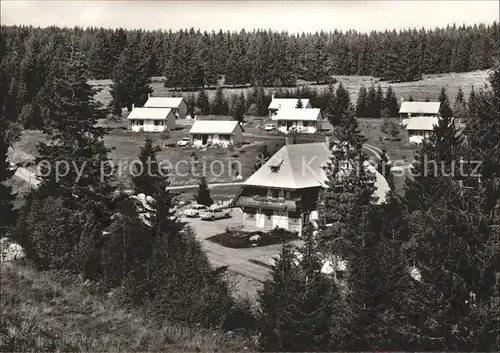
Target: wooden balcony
(269, 203)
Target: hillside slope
(44, 312)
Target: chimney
(149, 95)
(279, 106)
(272, 96)
(402, 99)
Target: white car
(270, 127)
(214, 213)
(183, 142)
(195, 210)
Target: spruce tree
(74, 137)
(361, 109)
(8, 135)
(460, 106)
(379, 102)
(147, 174)
(274, 301)
(299, 103)
(348, 192)
(203, 196)
(239, 109)
(219, 103)
(391, 103)
(341, 105)
(202, 102)
(472, 104)
(191, 104)
(445, 109)
(371, 103)
(131, 80)
(349, 130)
(6, 195)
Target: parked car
(270, 127)
(183, 142)
(195, 210)
(214, 213)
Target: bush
(239, 239)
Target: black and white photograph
(249, 176)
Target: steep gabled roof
(302, 166)
(149, 114)
(423, 123)
(295, 167)
(287, 103)
(163, 102)
(311, 114)
(214, 127)
(420, 107)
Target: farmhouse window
(224, 137)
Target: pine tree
(445, 109)
(460, 106)
(348, 191)
(131, 80)
(371, 104)
(74, 137)
(361, 108)
(239, 109)
(191, 104)
(341, 105)
(219, 103)
(147, 174)
(203, 103)
(300, 306)
(472, 104)
(6, 139)
(299, 103)
(391, 103)
(379, 103)
(6, 195)
(349, 130)
(274, 299)
(203, 196)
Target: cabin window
(250, 212)
(268, 213)
(305, 123)
(140, 122)
(224, 137)
(294, 216)
(158, 122)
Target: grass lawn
(237, 239)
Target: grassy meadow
(44, 311)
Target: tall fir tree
(239, 109)
(341, 104)
(299, 103)
(445, 108)
(379, 102)
(75, 141)
(361, 108)
(460, 106)
(219, 104)
(371, 101)
(391, 103)
(472, 104)
(202, 102)
(349, 130)
(131, 80)
(147, 174)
